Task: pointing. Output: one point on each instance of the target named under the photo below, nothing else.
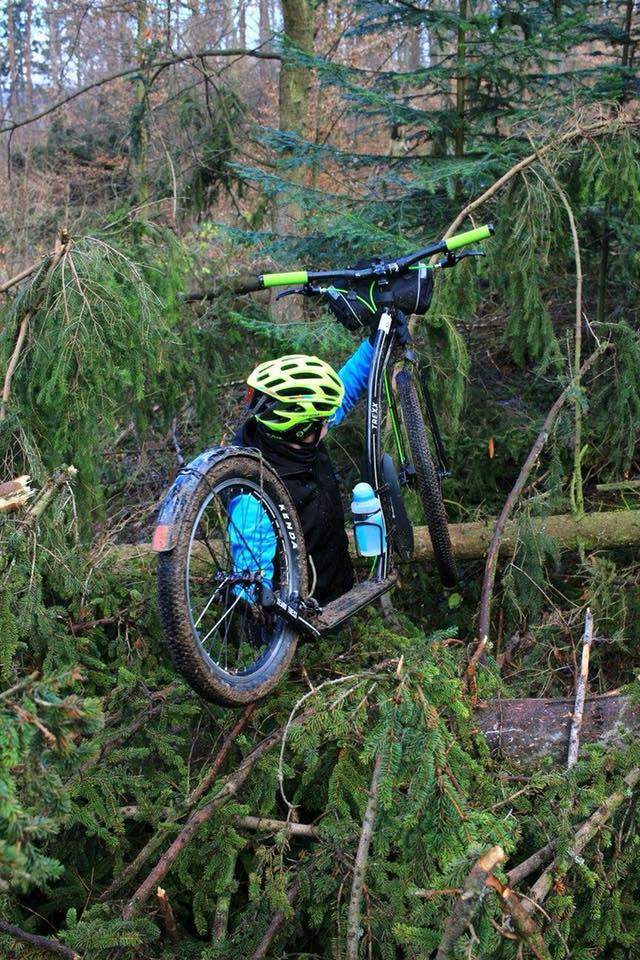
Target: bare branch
(581, 689)
(362, 856)
(157, 65)
(47, 944)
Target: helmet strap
(301, 433)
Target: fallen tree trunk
(605, 530)
(529, 729)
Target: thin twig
(581, 690)
(157, 65)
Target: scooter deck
(349, 603)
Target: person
(293, 402)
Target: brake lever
(452, 259)
(289, 293)
(307, 291)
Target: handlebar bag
(357, 306)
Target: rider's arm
(354, 375)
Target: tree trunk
(461, 78)
(28, 56)
(54, 44)
(140, 125)
(294, 88)
(13, 100)
(619, 528)
(527, 730)
(470, 541)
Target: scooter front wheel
(237, 539)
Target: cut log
(529, 729)
(605, 530)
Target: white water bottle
(368, 521)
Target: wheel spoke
(213, 596)
(218, 622)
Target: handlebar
(379, 269)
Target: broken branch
(467, 903)
(581, 689)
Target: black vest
(308, 475)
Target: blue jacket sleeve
(354, 375)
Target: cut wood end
(15, 493)
(492, 858)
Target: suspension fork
(384, 344)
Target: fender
(183, 488)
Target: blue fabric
(252, 541)
(354, 375)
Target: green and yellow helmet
(306, 389)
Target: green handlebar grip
(471, 236)
(284, 279)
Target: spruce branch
(356, 677)
(276, 924)
(525, 926)
(229, 788)
(222, 755)
(32, 302)
(585, 833)
(578, 132)
(48, 944)
(130, 871)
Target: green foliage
(104, 343)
